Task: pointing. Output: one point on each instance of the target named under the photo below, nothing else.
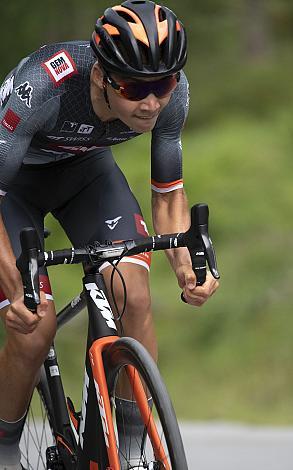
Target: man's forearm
(170, 215)
(10, 280)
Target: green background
(231, 359)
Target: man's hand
(21, 320)
(193, 294)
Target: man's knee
(31, 349)
(138, 299)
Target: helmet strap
(105, 92)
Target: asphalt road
(216, 446)
(237, 447)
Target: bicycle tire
(129, 352)
(38, 433)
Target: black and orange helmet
(140, 39)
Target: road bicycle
(61, 438)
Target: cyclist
(62, 108)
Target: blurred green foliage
(232, 359)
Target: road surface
(237, 447)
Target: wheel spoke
(36, 436)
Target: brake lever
(200, 245)
(27, 264)
(203, 232)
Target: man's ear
(97, 75)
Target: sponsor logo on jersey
(60, 67)
(117, 139)
(24, 91)
(78, 148)
(68, 126)
(113, 222)
(85, 129)
(10, 120)
(130, 131)
(6, 90)
(140, 225)
(69, 139)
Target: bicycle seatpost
(27, 264)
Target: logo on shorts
(68, 126)
(60, 67)
(10, 120)
(6, 90)
(140, 225)
(25, 91)
(113, 222)
(85, 129)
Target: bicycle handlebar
(196, 239)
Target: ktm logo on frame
(60, 67)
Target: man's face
(141, 116)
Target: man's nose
(150, 103)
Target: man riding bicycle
(62, 108)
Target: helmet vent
(126, 16)
(162, 14)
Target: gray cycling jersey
(46, 115)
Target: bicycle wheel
(37, 433)
(161, 445)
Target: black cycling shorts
(89, 196)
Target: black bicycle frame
(91, 449)
(96, 433)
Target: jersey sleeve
(25, 108)
(166, 153)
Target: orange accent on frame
(94, 466)
(73, 418)
(59, 439)
(147, 417)
(95, 355)
(166, 185)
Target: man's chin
(143, 125)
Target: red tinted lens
(136, 91)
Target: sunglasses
(140, 89)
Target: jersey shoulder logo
(60, 67)
(25, 91)
(10, 120)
